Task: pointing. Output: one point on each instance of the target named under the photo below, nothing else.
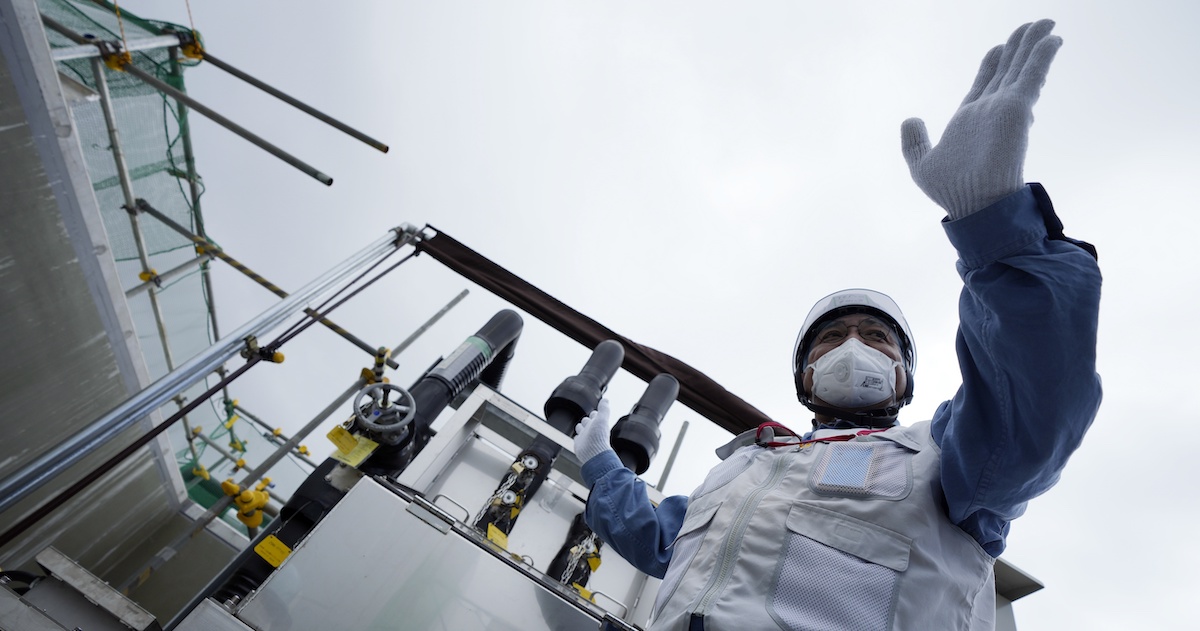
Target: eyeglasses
(869, 329)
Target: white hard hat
(845, 302)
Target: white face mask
(854, 375)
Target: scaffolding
(130, 73)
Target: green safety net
(152, 129)
(152, 126)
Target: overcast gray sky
(695, 175)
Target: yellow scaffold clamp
(190, 44)
(117, 60)
(249, 502)
(151, 275)
(192, 50)
(114, 55)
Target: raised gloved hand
(981, 155)
(591, 434)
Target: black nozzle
(635, 437)
(577, 396)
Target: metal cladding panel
(70, 350)
(18, 615)
(373, 564)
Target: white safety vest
(832, 536)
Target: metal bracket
(430, 514)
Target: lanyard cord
(772, 428)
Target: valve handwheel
(391, 408)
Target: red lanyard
(800, 443)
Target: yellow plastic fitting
(192, 50)
(118, 61)
(230, 488)
(249, 502)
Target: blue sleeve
(620, 512)
(1027, 351)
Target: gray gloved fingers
(914, 142)
(1034, 35)
(980, 156)
(1008, 54)
(987, 70)
(1033, 76)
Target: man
(864, 523)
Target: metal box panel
(373, 564)
(470, 455)
(209, 616)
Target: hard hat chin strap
(883, 417)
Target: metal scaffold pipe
(278, 439)
(69, 452)
(301, 434)
(169, 275)
(662, 481)
(107, 50)
(210, 248)
(228, 124)
(425, 327)
(317, 114)
(83, 51)
(114, 138)
(193, 180)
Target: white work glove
(981, 155)
(591, 434)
